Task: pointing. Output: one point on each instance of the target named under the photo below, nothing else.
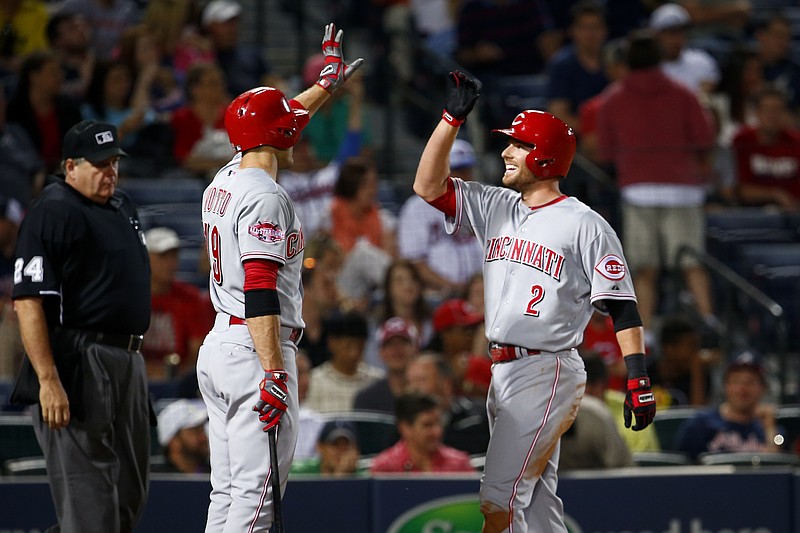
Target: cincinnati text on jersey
(525, 252)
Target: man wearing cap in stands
(398, 344)
(742, 423)
(182, 435)
(693, 67)
(244, 66)
(455, 323)
(337, 446)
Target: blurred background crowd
(687, 118)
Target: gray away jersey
(246, 215)
(543, 267)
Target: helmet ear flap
(530, 162)
(540, 167)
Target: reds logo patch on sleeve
(611, 267)
(266, 232)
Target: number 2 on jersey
(214, 253)
(537, 292)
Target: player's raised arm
(434, 164)
(334, 73)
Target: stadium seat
(25, 466)
(17, 437)
(188, 261)
(188, 226)
(376, 431)
(146, 191)
(6, 385)
(775, 269)
(189, 258)
(731, 228)
(788, 419)
(162, 389)
(174, 208)
(661, 459)
(667, 422)
(35, 466)
(749, 459)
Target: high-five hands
(336, 71)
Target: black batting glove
(639, 400)
(461, 97)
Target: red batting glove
(639, 400)
(273, 396)
(336, 71)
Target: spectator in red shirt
(180, 317)
(420, 449)
(38, 107)
(615, 69)
(659, 137)
(201, 144)
(768, 154)
(599, 337)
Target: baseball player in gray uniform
(548, 261)
(255, 248)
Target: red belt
(294, 335)
(503, 353)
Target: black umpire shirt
(87, 260)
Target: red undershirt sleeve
(260, 274)
(446, 203)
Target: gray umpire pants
(98, 468)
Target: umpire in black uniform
(82, 294)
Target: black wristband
(261, 302)
(624, 314)
(636, 365)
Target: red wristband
(450, 119)
(638, 383)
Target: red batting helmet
(263, 117)
(553, 142)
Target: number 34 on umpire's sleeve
(34, 269)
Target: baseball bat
(277, 511)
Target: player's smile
(514, 159)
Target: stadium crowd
(692, 108)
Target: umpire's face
(96, 181)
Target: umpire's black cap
(93, 141)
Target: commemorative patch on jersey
(266, 232)
(611, 267)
